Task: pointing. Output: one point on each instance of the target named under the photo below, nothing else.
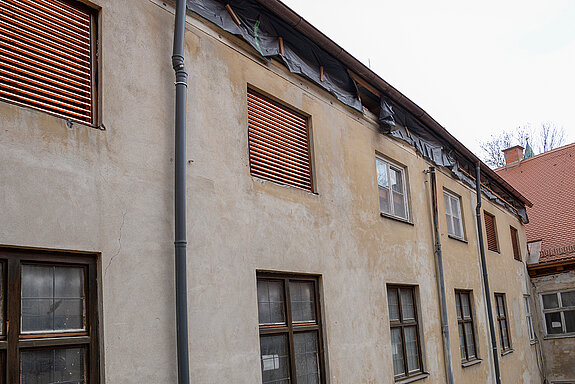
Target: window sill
(411, 379)
(560, 336)
(386, 215)
(470, 363)
(458, 239)
(507, 352)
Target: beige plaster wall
(111, 192)
(558, 351)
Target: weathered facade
(547, 180)
(106, 194)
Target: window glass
(392, 190)
(397, 351)
(53, 366)
(382, 173)
(393, 304)
(568, 299)
(553, 322)
(411, 348)
(270, 302)
(550, 301)
(52, 298)
(469, 340)
(407, 304)
(453, 215)
(275, 359)
(569, 321)
(306, 357)
(302, 303)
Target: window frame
(529, 318)
(401, 324)
(405, 190)
(453, 196)
(14, 342)
(502, 318)
(495, 247)
(560, 309)
(462, 320)
(515, 243)
(92, 12)
(289, 329)
(289, 153)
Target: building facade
(547, 180)
(311, 247)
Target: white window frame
(389, 166)
(449, 217)
(529, 317)
(560, 309)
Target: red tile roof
(548, 180)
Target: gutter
(441, 280)
(324, 42)
(180, 194)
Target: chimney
(513, 155)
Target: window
(278, 140)
(48, 57)
(504, 337)
(49, 330)
(490, 230)
(453, 215)
(290, 331)
(529, 317)
(467, 343)
(515, 243)
(559, 312)
(405, 340)
(392, 189)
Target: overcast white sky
(475, 67)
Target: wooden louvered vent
(46, 56)
(278, 143)
(491, 232)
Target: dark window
(405, 340)
(559, 312)
(515, 243)
(290, 332)
(47, 57)
(463, 303)
(490, 231)
(49, 329)
(504, 334)
(279, 146)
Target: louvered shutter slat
(491, 233)
(46, 56)
(515, 243)
(278, 143)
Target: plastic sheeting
(261, 29)
(400, 124)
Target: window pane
(399, 205)
(1, 298)
(53, 366)
(553, 321)
(462, 349)
(396, 180)
(457, 304)
(568, 299)
(457, 227)
(52, 298)
(447, 203)
(411, 347)
(381, 173)
(397, 351)
(469, 339)
(306, 357)
(270, 302)
(505, 341)
(302, 301)
(500, 308)
(450, 225)
(550, 301)
(407, 310)
(275, 359)
(465, 305)
(569, 321)
(393, 304)
(384, 204)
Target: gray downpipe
(180, 194)
(441, 281)
(485, 279)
